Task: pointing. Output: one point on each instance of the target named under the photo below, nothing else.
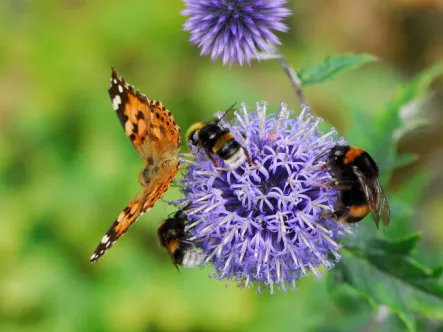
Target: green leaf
(419, 86)
(404, 160)
(332, 66)
(389, 120)
(361, 134)
(437, 273)
(370, 285)
(403, 201)
(385, 273)
(400, 210)
(411, 127)
(401, 247)
(409, 192)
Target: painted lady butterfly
(156, 137)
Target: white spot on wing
(105, 239)
(143, 212)
(116, 102)
(120, 89)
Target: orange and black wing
(375, 197)
(148, 123)
(144, 201)
(156, 137)
(127, 217)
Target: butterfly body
(152, 130)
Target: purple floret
(261, 223)
(235, 29)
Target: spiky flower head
(235, 29)
(262, 223)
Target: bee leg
(328, 215)
(186, 242)
(322, 168)
(214, 162)
(340, 215)
(342, 185)
(329, 184)
(249, 158)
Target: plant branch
(288, 69)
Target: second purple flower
(235, 30)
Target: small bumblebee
(215, 139)
(355, 174)
(172, 236)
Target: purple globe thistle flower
(262, 223)
(235, 29)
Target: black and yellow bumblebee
(355, 174)
(218, 140)
(172, 236)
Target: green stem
(292, 75)
(295, 80)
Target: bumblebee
(172, 236)
(218, 140)
(355, 174)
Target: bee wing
(382, 204)
(376, 198)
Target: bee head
(334, 155)
(337, 154)
(171, 229)
(192, 136)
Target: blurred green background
(67, 169)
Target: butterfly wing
(128, 216)
(156, 137)
(141, 204)
(147, 123)
(378, 204)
